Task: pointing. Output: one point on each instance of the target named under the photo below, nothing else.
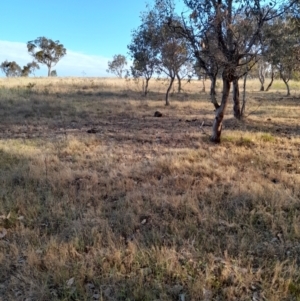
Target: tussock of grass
(145, 208)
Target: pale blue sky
(91, 30)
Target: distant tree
(186, 71)
(10, 69)
(29, 69)
(265, 69)
(262, 70)
(271, 75)
(117, 65)
(143, 52)
(46, 51)
(170, 48)
(201, 75)
(282, 49)
(172, 57)
(53, 73)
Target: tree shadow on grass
(31, 114)
(148, 231)
(265, 125)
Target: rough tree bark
(213, 96)
(236, 100)
(220, 111)
(261, 76)
(262, 88)
(287, 87)
(179, 83)
(272, 79)
(244, 96)
(168, 90)
(286, 82)
(146, 86)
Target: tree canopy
(117, 65)
(143, 51)
(46, 51)
(10, 69)
(29, 68)
(156, 48)
(224, 36)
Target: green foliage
(46, 51)
(294, 289)
(53, 73)
(29, 68)
(117, 65)
(7, 161)
(296, 75)
(157, 48)
(10, 221)
(10, 69)
(281, 48)
(143, 53)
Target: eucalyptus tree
(156, 48)
(46, 51)
(29, 68)
(271, 72)
(215, 30)
(117, 65)
(187, 71)
(143, 50)
(53, 73)
(282, 49)
(10, 69)
(262, 71)
(266, 69)
(201, 74)
(173, 55)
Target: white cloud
(73, 64)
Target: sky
(92, 31)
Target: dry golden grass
(146, 208)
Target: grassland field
(100, 200)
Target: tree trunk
(287, 87)
(146, 86)
(261, 77)
(179, 83)
(244, 96)
(286, 82)
(271, 82)
(168, 90)
(220, 111)
(49, 70)
(203, 83)
(213, 92)
(236, 100)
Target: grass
(146, 208)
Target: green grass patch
(266, 137)
(8, 161)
